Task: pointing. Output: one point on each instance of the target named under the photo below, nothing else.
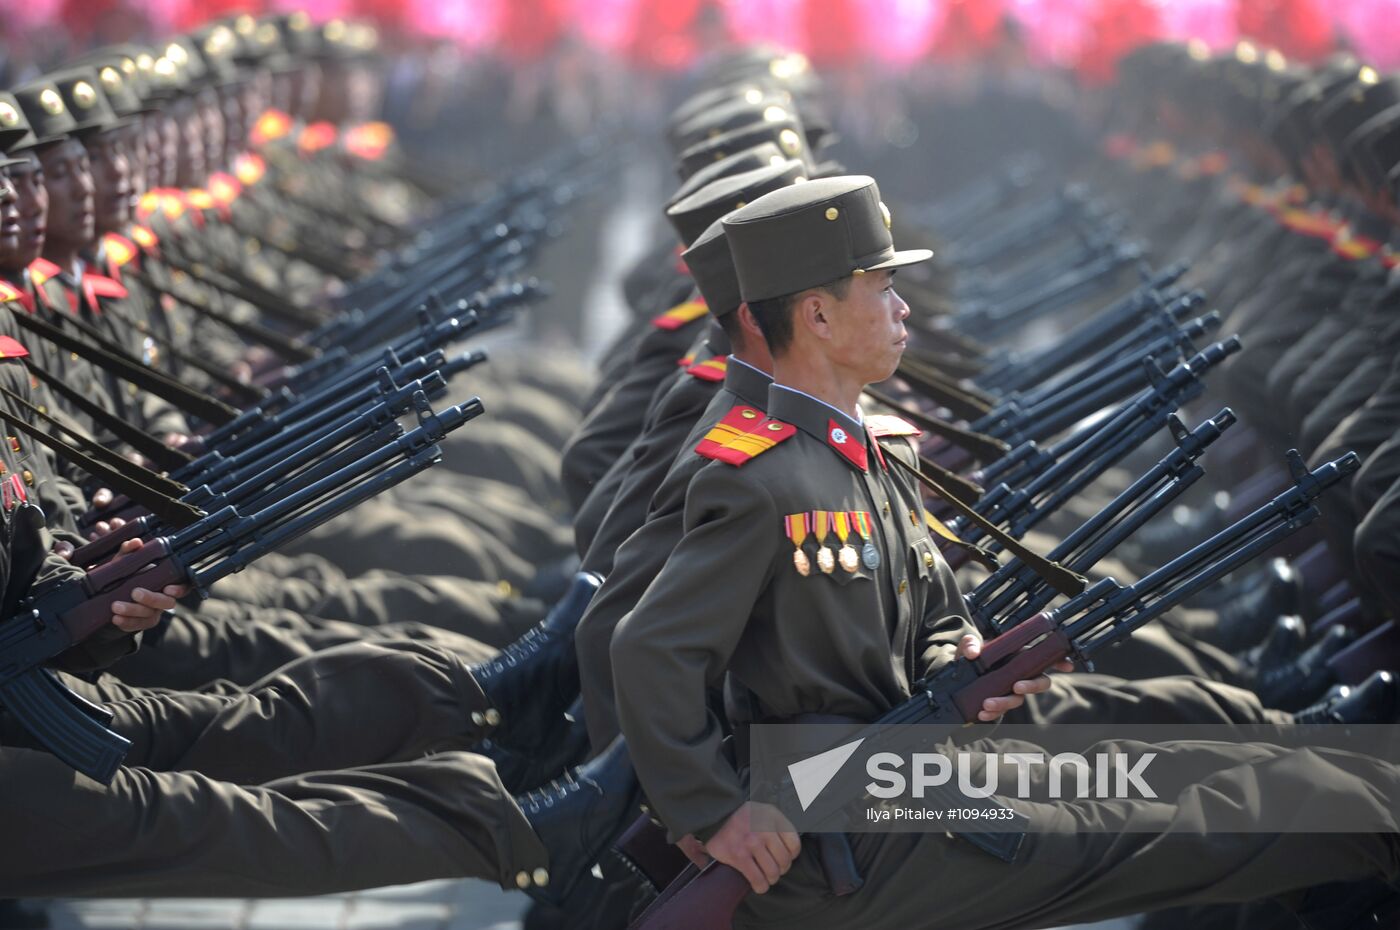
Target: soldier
(814, 264)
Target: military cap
(692, 215)
(298, 33)
(752, 92)
(43, 106)
(85, 99)
(812, 234)
(346, 40)
(786, 134)
(258, 40)
(726, 117)
(712, 268)
(191, 71)
(765, 153)
(217, 45)
(15, 133)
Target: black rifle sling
(1054, 574)
(249, 330)
(250, 393)
(982, 447)
(138, 484)
(113, 359)
(147, 445)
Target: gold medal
(797, 526)
(821, 524)
(847, 556)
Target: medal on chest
(798, 525)
(869, 555)
(826, 559)
(846, 556)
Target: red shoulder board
(103, 286)
(119, 249)
(711, 369)
(9, 292)
(145, 237)
(224, 188)
(884, 425)
(743, 434)
(41, 269)
(249, 168)
(369, 141)
(10, 348)
(316, 137)
(681, 314)
(274, 124)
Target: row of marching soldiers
(410, 690)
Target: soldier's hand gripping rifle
(54, 620)
(952, 696)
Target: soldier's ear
(811, 313)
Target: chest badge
(869, 555)
(826, 560)
(798, 525)
(849, 561)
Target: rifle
(952, 696)
(54, 620)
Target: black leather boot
(531, 684)
(577, 818)
(1375, 700)
(521, 771)
(1299, 682)
(1246, 620)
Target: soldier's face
(9, 222)
(189, 127)
(212, 119)
(33, 206)
(111, 176)
(866, 330)
(136, 155)
(68, 179)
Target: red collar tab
(679, 263)
(681, 314)
(850, 446)
(103, 286)
(10, 348)
(743, 434)
(709, 370)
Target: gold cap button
(541, 877)
(522, 880)
(493, 717)
(928, 560)
(478, 719)
(748, 414)
(775, 426)
(832, 213)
